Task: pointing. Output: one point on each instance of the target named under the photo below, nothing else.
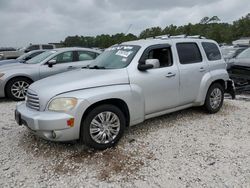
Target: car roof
(76, 48)
(33, 51)
(155, 41)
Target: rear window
(212, 51)
(189, 53)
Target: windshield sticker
(128, 47)
(120, 48)
(124, 59)
(124, 53)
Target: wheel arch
(121, 104)
(15, 77)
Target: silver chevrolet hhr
(124, 86)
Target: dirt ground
(185, 149)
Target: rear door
(193, 68)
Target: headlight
(1, 75)
(62, 104)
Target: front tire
(103, 127)
(16, 88)
(214, 98)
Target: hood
(6, 62)
(242, 62)
(77, 80)
(15, 65)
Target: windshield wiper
(96, 67)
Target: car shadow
(5, 100)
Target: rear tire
(103, 127)
(214, 98)
(16, 88)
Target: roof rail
(177, 36)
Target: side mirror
(149, 64)
(51, 62)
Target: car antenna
(129, 27)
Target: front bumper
(48, 125)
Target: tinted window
(64, 57)
(189, 53)
(212, 51)
(33, 47)
(84, 56)
(164, 56)
(47, 47)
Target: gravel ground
(184, 149)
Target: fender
(131, 95)
(206, 82)
(14, 76)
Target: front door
(160, 86)
(64, 62)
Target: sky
(42, 21)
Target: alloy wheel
(104, 127)
(215, 98)
(19, 89)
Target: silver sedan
(15, 78)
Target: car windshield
(245, 54)
(41, 57)
(115, 57)
(22, 57)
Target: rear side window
(47, 47)
(189, 53)
(212, 51)
(85, 55)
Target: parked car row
(125, 85)
(239, 68)
(9, 53)
(232, 52)
(16, 77)
(22, 58)
(12, 53)
(238, 64)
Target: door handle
(202, 69)
(170, 74)
(71, 67)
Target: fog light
(53, 134)
(71, 122)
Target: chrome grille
(32, 100)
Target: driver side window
(64, 57)
(164, 56)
